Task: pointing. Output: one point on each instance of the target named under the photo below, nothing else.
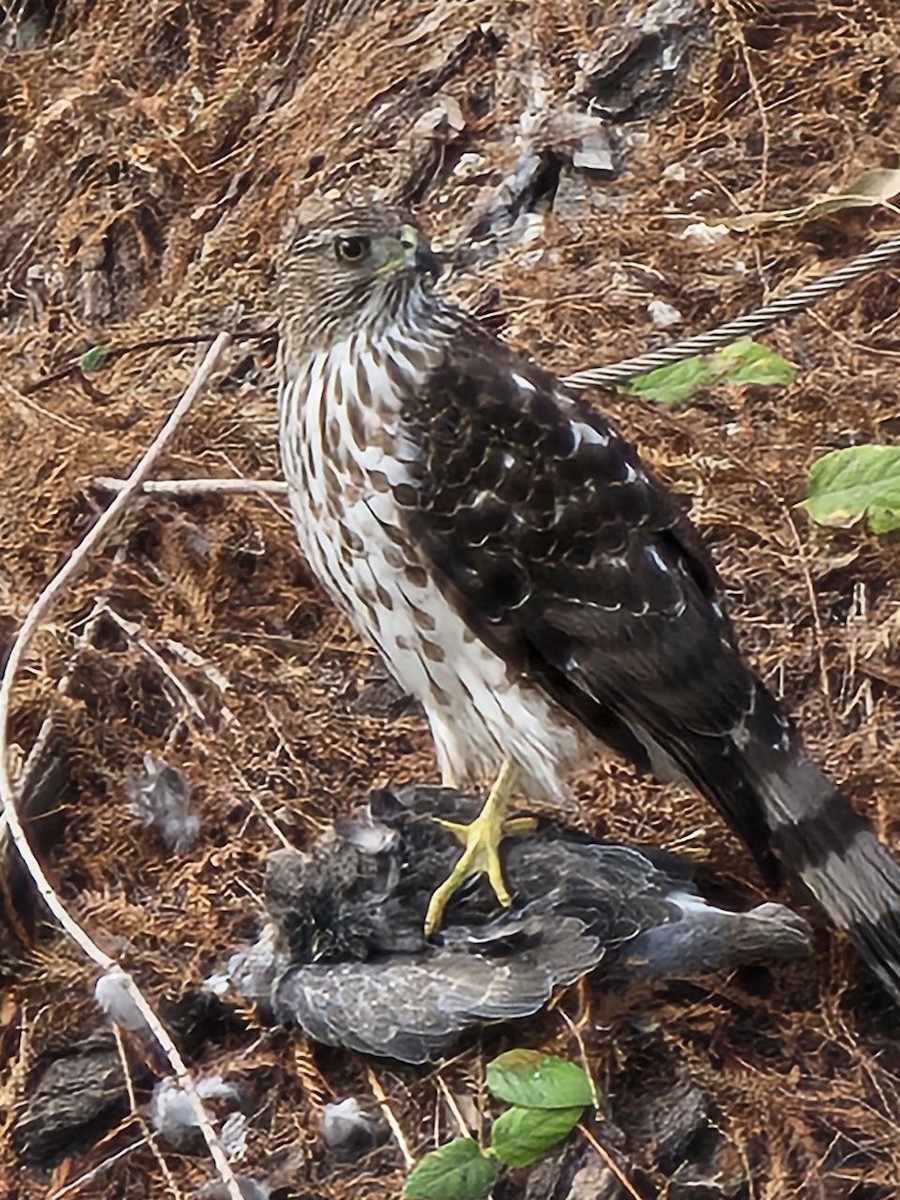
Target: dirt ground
(562, 153)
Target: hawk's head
(352, 268)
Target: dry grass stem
(39, 611)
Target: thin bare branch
(610, 1162)
(74, 367)
(95, 1172)
(142, 1123)
(38, 612)
(388, 1113)
(198, 487)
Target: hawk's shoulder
(525, 484)
(567, 555)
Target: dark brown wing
(569, 558)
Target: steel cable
(742, 327)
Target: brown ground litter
(151, 160)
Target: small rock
(704, 236)
(593, 153)
(77, 1097)
(595, 1181)
(663, 315)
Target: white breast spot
(374, 460)
(656, 558)
(740, 735)
(589, 435)
(383, 508)
(480, 713)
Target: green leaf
(534, 1080)
(522, 1135)
(750, 362)
(862, 481)
(93, 359)
(460, 1170)
(737, 364)
(671, 385)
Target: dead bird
(345, 957)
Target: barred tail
(790, 814)
(817, 833)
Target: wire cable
(742, 327)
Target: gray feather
(344, 956)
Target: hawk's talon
(481, 855)
(512, 827)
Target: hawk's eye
(351, 249)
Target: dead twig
(450, 1101)
(137, 1116)
(609, 1161)
(394, 1125)
(90, 1176)
(114, 352)
(133, 634)
(39, 610)
(198, 487)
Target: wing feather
(413, 1007)
(569, 558)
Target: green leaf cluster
(547, 1095)
(846, 486)
(737, 364)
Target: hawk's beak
(417, 253)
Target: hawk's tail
(776, 797)
(833, 848)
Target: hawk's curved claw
(481, 855)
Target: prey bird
(527, 579)
(345, 956)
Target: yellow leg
(482, 841)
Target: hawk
(527, 578)
(346, 958)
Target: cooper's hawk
(527, 578)
(351, 965)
